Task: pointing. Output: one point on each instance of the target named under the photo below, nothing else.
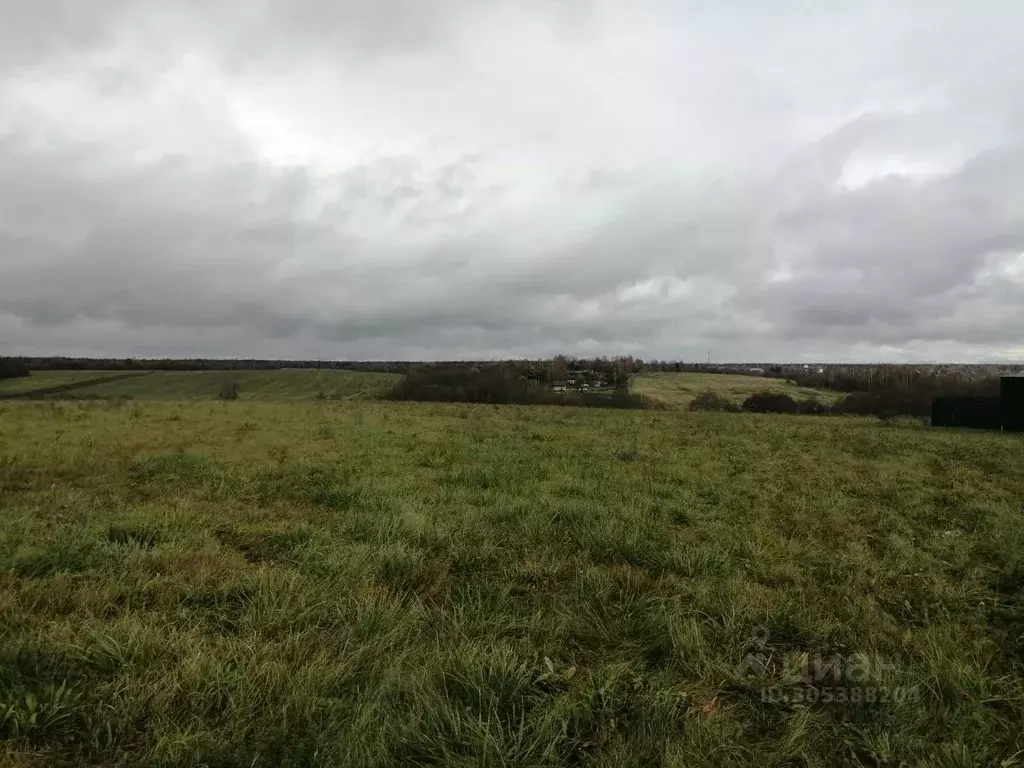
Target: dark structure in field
(976, 412)
(1003, 412)
(1012, 397)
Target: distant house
(584, 380)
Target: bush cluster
(498, 384)
(885, 404)
(229, 391)
(712, 401)
(765, 401)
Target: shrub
(892, 391)
(886, 404)
(229, 391)
(770, 402)
(712, 401)
(812, 406)
(616, 399)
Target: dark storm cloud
(406, 179)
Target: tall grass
(378, 584)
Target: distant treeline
(852, 377)
(881, 404)
(13, 368)
(899, 390)
(885, 391)
(554, 370)
(902, 378)
(843, 377)
(885, 398)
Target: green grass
(368, 583)
(253, 385)
(678, 390)
(46, 379)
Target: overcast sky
(425, 179)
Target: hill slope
(295, 384)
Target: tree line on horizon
(910, 382)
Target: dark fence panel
(1012, 388)
(975, 412)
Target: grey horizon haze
(404, 179)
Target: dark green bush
(229, 391)
(770, 402)
(712, 401)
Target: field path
(62, 388)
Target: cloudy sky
(485, 178)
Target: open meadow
(294, 384)
(46, 379)
(678, 390)
(350, 582)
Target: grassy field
(296, 384)
(377, 584)
(46, 379)
(677, 390)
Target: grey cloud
(372, 180)
(245, 33)
(912, 249)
